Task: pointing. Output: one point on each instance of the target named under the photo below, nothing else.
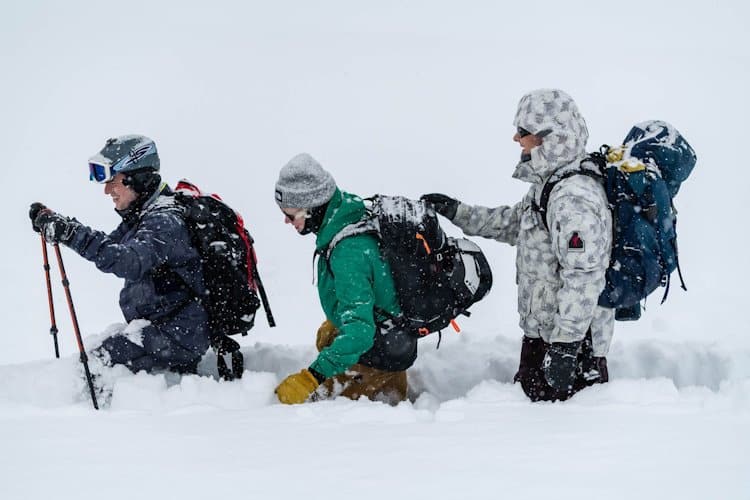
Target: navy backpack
(641, 178)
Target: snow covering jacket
(560, 271)
(352, 282)
(161, 268)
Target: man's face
(527, 141)
(122, 195)
(296, 217)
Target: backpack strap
(238, 366)
(262, 292)
(368, 225)
(597, 158)
(252, 266)
(223, 345)
(677, 263)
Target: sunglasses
(522, 132)
(300, 214)
(100, 173)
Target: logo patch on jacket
(576, 243)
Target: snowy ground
(673, 423)
(394, 98)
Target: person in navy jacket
(151, 250)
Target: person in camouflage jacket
(560, 269)
(356, 291)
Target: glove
(443, 204)
(326, 333)
(56, 228)
(560, 364)
(297, 388)
(34, 212)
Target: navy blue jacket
(161, 268)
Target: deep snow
(397, 99)
(672, 423)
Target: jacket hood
(552, 114)
(343, 209)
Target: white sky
(390, 97)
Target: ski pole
(53, 323)
(84, 358)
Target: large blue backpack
(641, 178)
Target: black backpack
(234, 290)
(437, 278)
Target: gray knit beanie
(304, 184)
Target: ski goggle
(100, 173)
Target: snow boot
(591, 369)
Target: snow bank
(475, 370)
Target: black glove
(444, 205)
(56, 228)
(560, 364)
(33, 212)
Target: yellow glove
(326, 333)
(295, 389)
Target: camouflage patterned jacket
(560, 272)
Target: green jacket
(351, 283)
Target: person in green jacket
(363, 352)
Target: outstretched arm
(500, 223)
(155, 242)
